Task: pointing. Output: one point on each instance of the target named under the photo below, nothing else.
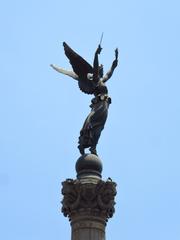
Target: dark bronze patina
(91, 81)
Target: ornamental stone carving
(93, 198)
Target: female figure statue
(91, 81)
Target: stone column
(88, 201)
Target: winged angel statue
(91, 81)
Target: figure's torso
(100, 89)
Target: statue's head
(101, 72)
(90, 75)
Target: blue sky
(42, 113)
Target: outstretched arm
(114, 65)
(66, 72)
(96, 65)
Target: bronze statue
(91, 81)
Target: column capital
(88, 199)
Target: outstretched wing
(81, 68)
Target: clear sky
(43, 111)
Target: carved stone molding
(83, 199)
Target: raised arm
(66, 72)
(96, 65)
(114, 65)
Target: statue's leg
(96, 136)
(93, 150)
(98, 120)
(85, 138)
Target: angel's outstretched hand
(116, 53)
(115, 62)
(99, 49)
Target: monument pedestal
(88, 201)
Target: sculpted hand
(99, 49)
(116, 53)
(115, 62)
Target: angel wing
(81, 68)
